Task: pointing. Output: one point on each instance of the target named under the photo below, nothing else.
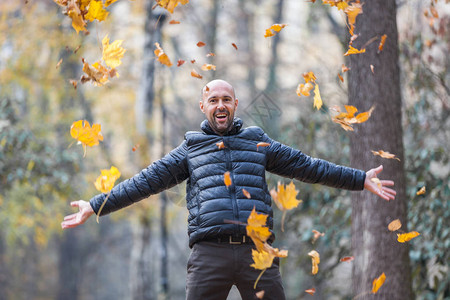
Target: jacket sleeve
(288, 162)
(160, 175)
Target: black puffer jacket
(203, 163)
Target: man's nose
(220, 104)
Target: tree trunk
(376, 249)
(69, 266)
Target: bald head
(216, 84)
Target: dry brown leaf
(395, 225)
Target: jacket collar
(237, 125)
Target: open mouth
(221, 116)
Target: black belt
(230, 239)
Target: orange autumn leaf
(405, 237)
(262, 144)
(180, 62)
(395, 225)
(207, 67)
(340, 77)
(346, 119)
(97, 73)
(315, 259)
(192, 61)
(109, 2)
(317, 234)
(317, 99)
(421, 191)
(347, 258)
(200, 44)
(304, 89)
(311, 291)
(246, 193)
(256, 229)
(171, 4)
(135, 147)
(105, 182)
(262, 259)
(112, 53)
(195, 74)
(74, 83)
(309, 77)
(234, 45)
(381, 45)
(272, 30)
(210, 54)
(353, 50)
(220, 145)
(59, 63)
(352, 11)
(377, 283)
(172, 22)
(96, 12)
(344, 68)
(385, 154)
(85, 134)
(161, 56)
(227, 179)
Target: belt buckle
(236, 243)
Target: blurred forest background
(141, 252)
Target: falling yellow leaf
(377, 283)
(227, 179)
(347, 119)
(262, 259)
(256, 228)
(59, 63)
(96, 73)
(109, 2)
(381, 45)
(161, 56)
(207, 67)
(344, 68)
(395, 225)
(315, 259)
(171, 4)
(195, 74)
(304, 89)
(309, 77)
(271, 31)
(352, 11)
(220, 145)
(85, 134)
(246, 194)
(317, 99)
(385, 154)
(172, 22)
(96, 12)
(405, 237)
(112, 53)
(353, 50)
(421, 191)
(78, 22)
(285, 199)
(105, 182)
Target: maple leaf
(421, 191)
(262, 261)
(352, 11)
(405, 237)
(96, 73)
(317, 99)
(381, 45)
(315, 259)
(285, 199)
(207, 67)
(385, 154)
(304, 89)
(171, 4)
(105, 182)
(85, 134)
(271, 31)
(227, 179)
(311, 291)
(96, 11)
(346, 119)
(256, 228)
(78, 22)
(395, 225)
(377, 283)
(161, 56)
(112, 53)
(309, 77)
(353, 50)
(109, 2)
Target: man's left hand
(379, 188)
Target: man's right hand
(73, 220)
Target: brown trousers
(214, 268)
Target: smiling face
(219, 104)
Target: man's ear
(236, 101)
(201, 106)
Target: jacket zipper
(232, 189)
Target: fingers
(70, 217)
(387, 182)
(378, 169)
(75, 204)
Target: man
(221, 252)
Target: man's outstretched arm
(380, 188)
(73, 220)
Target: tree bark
(376, 249)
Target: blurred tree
(375, 249)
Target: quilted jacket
(211, 204)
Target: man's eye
(212, 100)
